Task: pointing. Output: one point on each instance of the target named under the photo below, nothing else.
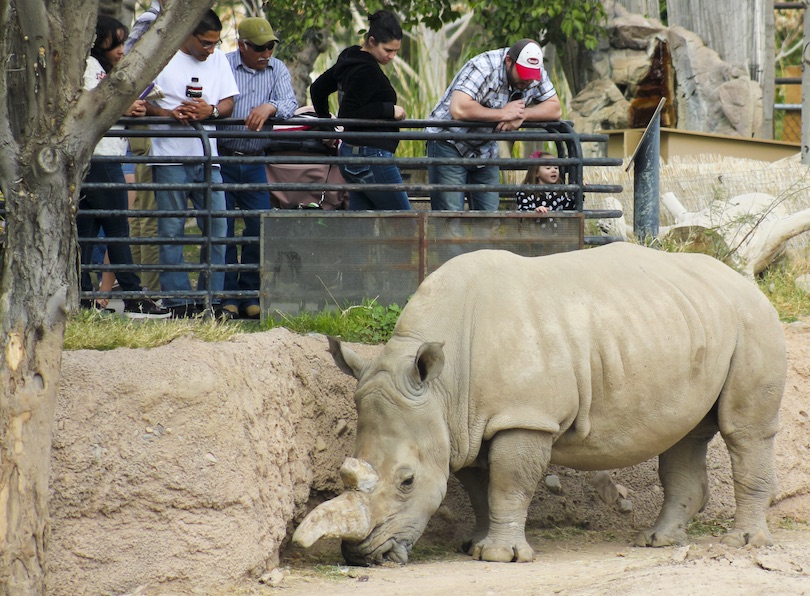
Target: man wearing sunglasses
(199, 86)
(265, 92)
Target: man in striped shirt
(265, 91)
(506, 87)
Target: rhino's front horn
(346, 517)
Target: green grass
(791, 523)
(369, 322)
(708, 527)
(778, 283)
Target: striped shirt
(271, 85)
(484, 79)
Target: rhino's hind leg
(682, 471)
(752, 465)
(517, 460)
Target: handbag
(315, 198)
(314, 174)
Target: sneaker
(185, 311)
(96, 307)
(144, 308)
(253, 311)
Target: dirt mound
(188, 465)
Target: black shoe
(144, 308)
(221, 313)
(229, 308)
(185, 311)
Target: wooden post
(806, 86)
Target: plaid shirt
(484, 79)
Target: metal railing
(568, 144)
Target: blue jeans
(376, 200)
(445, 200)
(247, 200)
(174, 227)
(114, 226)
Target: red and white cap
(528, 59)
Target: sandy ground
(587, 564)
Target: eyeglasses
(260, 49)
(208, 44)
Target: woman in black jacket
(365, 92)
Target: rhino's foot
(739, 538)
(487, 550)
(468, 546)
(658, 538)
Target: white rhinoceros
(594, 359)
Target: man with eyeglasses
(265, 91)
(198, 86)
(506, 87)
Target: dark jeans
(368, 200)
(444, 200)
(114, 226)
(247, 200)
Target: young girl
(365, 92)
(543, 201)
(107, 51)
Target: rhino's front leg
(475, 481)
(517, 460)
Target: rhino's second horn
(346, 517)
(358, 475)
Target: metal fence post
(645, 179)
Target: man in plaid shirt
(507, 87)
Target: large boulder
(644, 61)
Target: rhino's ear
(429, 361)
(347, 361)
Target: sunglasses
(260, 49)
(208, 44)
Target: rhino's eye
(406, 484)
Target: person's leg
(117, 226)
(386, 174)
(172, 227)
(484, 200)
(356, 174)
(215, 227)
(252, 200)
(88, 226)
(144, 227)
(444, 200)
(232, 174)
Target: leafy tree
(305, 25)
(48, 128)
(548, 21)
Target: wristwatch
(215, 112)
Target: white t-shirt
(93, 75)
(217, 82)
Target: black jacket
(365, 92)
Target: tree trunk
(300, 59)
(48, 128)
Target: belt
(231, 153)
